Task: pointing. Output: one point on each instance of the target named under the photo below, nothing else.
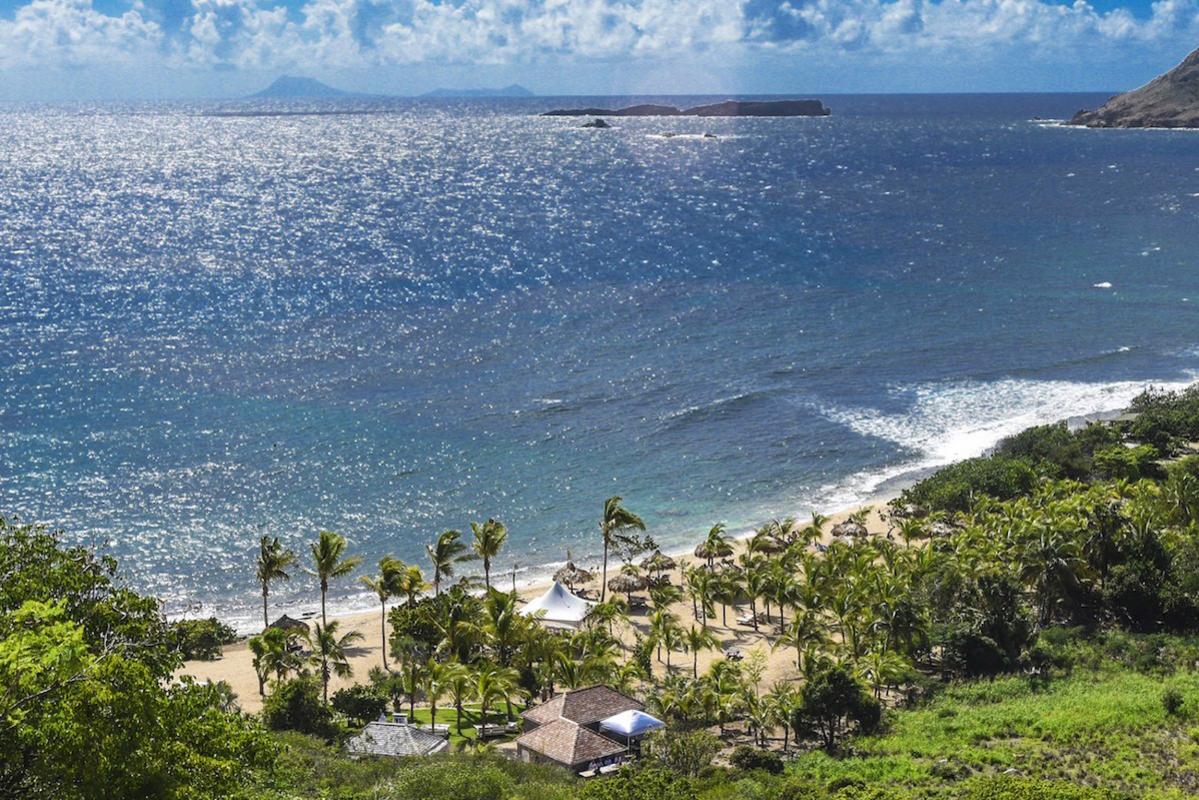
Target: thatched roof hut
(290, 626)
(572, 575)
(658, 562)
(626, 583)
(849, 528)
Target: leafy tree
(361, 702)
(830, 704)
(295, 705)
(201, 639)
(956, 487)
(748, 758)
(681, 753)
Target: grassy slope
(1105, 728)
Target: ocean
(389, 324)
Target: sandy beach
(236, 669)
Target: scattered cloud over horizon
(261, 36)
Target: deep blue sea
(389, 324)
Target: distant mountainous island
(1167, 101)
(512, 90)
(729, 108)
(290, 87)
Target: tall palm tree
(437, 675)
(329, 560)
(494, 683)
(459, 682)
(447, 551)
(782, 699)
(716, 545)
(616, 525)
(383, 585)
(258, 648)
(699, 639)
(273, 561)
(329, 651)
(489, 538)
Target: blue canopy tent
(631, 724)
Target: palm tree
(272, 564)
(494, 683)
(329, 561)
(699, 639)
(489, 538)
(410, 581)
(782, 699)
(330, 652)
(448, 550)
(754, 580)
(382, 585)
(803, 633)
(459, 683)
(258, 647)
(615, 526)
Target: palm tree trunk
(324, 591)
(458, 709)
(604, 574)
(383, 630)
(432, 714)
(265, 620)
(695, 664)
(487, 574)
(753, 610)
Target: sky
(157, 49)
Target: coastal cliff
(1168, 101)
(728, 108)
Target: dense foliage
(89, 709)
(201, 638)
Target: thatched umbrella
(626, 583)
(571, 575)
(849, 528)
(658, 563)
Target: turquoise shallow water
(393, 323)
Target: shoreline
(235, 668)
(873, 487)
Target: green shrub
(681, 753)
(955, 488)
(296, 705)
(361, 703)
(1053, 449)
(1016, 788)
(200, 639)
(1172, 701)
(749, 758)
(453, 779)
(639, 783)
(1126, 463)
(1166, 418)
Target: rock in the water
(596, 123)
(1168, 101)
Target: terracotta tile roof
(589, 704)
(395, 739)
(569, 743)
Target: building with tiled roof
(584, 706)
(396, 739)
(566, 729)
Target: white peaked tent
(561, 608)
(631, 723)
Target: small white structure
(558, 607)
(630, 723)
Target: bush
(1165, 418)
(1172, 701)
(452, 780)
(361, 703)
(1053, 449)
(200, 639)
(955, 487)
(296, 705)
(1126, 463)
(830, 703)
(639, 783)
(748, 758)
(1015, 788)
(683, 753)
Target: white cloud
(260, 34)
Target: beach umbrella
(849, 528)
(626, 583)
(572, 575)
(658, 563)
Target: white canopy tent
(560, 607)
(631, 723)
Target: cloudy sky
(59, 49)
